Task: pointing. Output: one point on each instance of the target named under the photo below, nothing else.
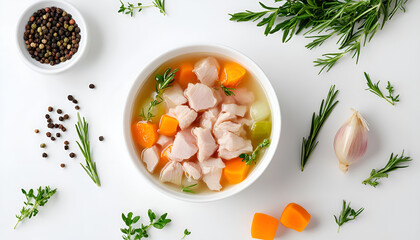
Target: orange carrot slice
(264, 226)
(168, 125)
(232, 74)
(235, 171)
(185, 75)
(295, 217)
(145, 133)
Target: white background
(120, 46)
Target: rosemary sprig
(186, 233)
(347, 214)
(82, 128)
(133, 233)
(33, 202)
(394, 163)
(250, 158)
(162, 83)
(188, 188)
(354, 22)
(131, 8)
(228, 91)
(310, 143)
(374, 88)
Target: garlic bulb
(351, 140)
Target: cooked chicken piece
(223, 117)
(150, 156)
(172, 172)
(243, 96)
(228, 126)
(238, 110)
(232, 145)
(192, 170)
(184, 115)
(222, 97)
(184, 146)
(174, 96)
(212, 172)
(208, 118)
(164, 141)
(200, 97)
(205, 142)
(207, 71)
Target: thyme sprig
(34, 201)
(347, 214)
(374, 88)
(252, 158)
(131, 8)
(394, 163)
(162, 83)
(354, 22)
(228, 91)
(82, 128)
(188, 188)
(310, 143)
(186, 233)
(133, 233)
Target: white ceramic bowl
(47, 68)
(251, 67)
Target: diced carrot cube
(185, 75)
(168, 126)
(235, 170)
(295, 217)
(264, 226)
(232, 74)
(144, 134)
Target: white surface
(20, 29)
(253, 69)
(120, 47)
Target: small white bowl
(42, 67)
(259, 76)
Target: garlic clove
(351, 141)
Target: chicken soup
(201, 123)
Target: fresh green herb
(162, 83)
(374, 88)
(250, 158)
(347, 214)
(186, 233)
(394, 163)
(310, 143)
(228, 91)
(354, 22)
(82, 128)
(131, 8)
(188, 188)
(33, 202)
(133, 233)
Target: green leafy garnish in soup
(193, 118)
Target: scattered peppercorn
(59, 111)
(58, 135)
(47, 116)
(101, 138)
(66, 116)
(49, 120)
(56, 125)
(60, 126)
(50, 109)
(66, 142)
(61, 118)
(72, 155)
(52, 138)
(91, 86)
(70, 97)
(48, 134)
(36, 131)
(66, 147)
(77, 107)
(63, 129)
(44, 155)
(75, 101)
(43, 145)
(50, 125)
(63, 165)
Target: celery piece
(260, 130)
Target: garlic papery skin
(351, 140)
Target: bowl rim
(263, 81)
(21, 23)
